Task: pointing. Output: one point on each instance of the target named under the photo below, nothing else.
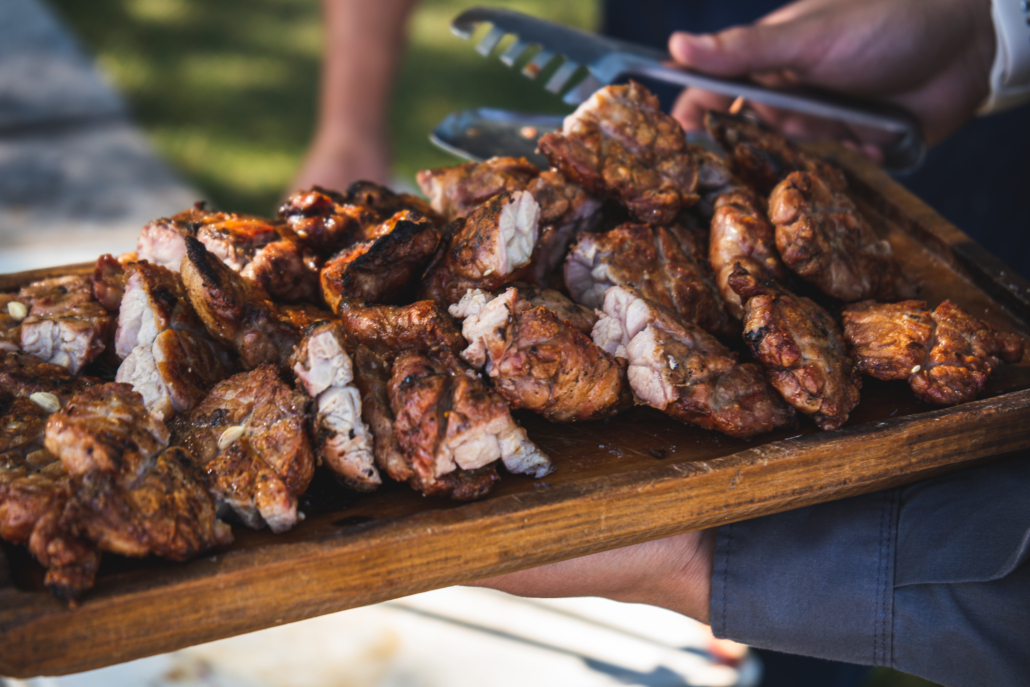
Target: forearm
(364, 43)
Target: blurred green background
(226, 90)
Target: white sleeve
(1010, 74)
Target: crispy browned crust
(802, 348)
(888, 340)
(620, 144)
(456, 191)
(22, 374)
(108, 282)
(384, 269)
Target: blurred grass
(227, 89)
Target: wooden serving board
(637, 477)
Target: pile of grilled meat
(381, 335)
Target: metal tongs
(590, 61)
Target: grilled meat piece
(166, 511)
(566, 210)
(342, 440)
(822, 237)
(441, 387)
(620, 144)
(802, 348)
(383, 269)
(684, 371)
(487, 248)
(284, 271)
(23, 375)
(248, 439)
(154, 301)
(456, 191)
(325, 222)
(946, 356)
(539, 362)
(580, 317)
(763, 158)
(740, 232)
(12, 313)
(34, 491)
(109, 282)
(446, 419)
(22, 422)
(65, 325)
(235, 312)
(175, 372)
(234, 238)
(660, 261)
(107, 429)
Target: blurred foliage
(227, 89)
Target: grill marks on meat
(411, 381)
(234, 311)
(456, 191)
(65, 325)
(539, 362)
(284, 271)
(659, 261)
(154, 301)
(620, 144)
(761, 157)
(685, 372)
(22, 374)
(106, 429)
(946, 355)
(342, 440)
(383, 269)
(801, 346)
(324, 222)
(740, 232)
(166, 511)
(34, 491)
(486, 249)
(263, 471)
(822, 237)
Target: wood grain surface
(636, 477)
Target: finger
(691, 105)
(740, 50)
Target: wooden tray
(637, 477)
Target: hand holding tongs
(607, 60)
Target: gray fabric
(931, 579)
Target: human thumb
(737, 51)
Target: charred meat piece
(487, 248)
(12, 313)
(109, 282)
(383, 269)
(284, 271)
(106, 429)
(325, 222)
(34, 491)
(154, 301)
(23, 375)
(946, 356)
(235, 312)
(659, 261)
(802, 348)
(740, 232)
(456, 191)
(763, 158)
(166, 511)
(446, 419)
(423, 330)
(822, 237)
(234, 238)
(175, 372)
(684, 371)
(620, 144)
(579, 316)
(539, 362)
(65, 325)
(566, 210)
(303, 315)
(342, 440)
(248, 439)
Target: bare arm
(930, 56)
(364, 42)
